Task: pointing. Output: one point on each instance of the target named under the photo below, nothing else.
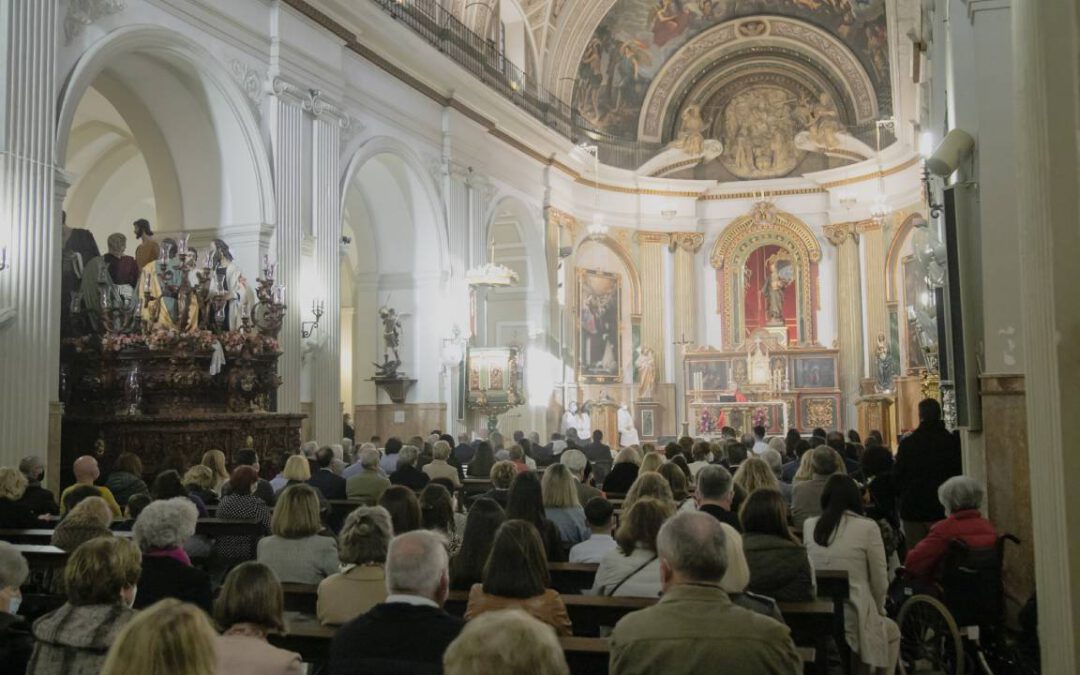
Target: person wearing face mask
(101, 578)
(16, 643)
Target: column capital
(838, 233)
(286, 91)
(647, 237)
(690, 242)
(868, 225)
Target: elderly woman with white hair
(160, 532)
(962, 498)
(16, 643)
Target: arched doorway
(397, 257)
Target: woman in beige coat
(250, 606)
(361, 584)
(841, 538)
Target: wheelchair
(957, 627)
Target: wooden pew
(301, 598)
(43, 556)
(572, 577)
(208, 527)
(40, 536)
(304, 634)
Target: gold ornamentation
(819, 413)
(837, 233)
(690, 242)
(647, 237)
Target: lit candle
(182, 250)
(279, 295)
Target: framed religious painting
(815, 372)
(708, 375)
(598, 327)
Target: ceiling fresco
(637, 37)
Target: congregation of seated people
(716, 532)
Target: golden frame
(765, 225)
(583, 369)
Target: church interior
(268, 224)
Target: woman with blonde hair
(297, 471)
(361, 583)
(199, 481)
(14, 514)
(806, 468)
(88, 520)
(651, 463)
(296, 552)
(215, 461)
(561, 505)
(649, 485)
(250, 606)
(505, 641)
(754, 474)
(168, 638)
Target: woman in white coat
(841, 538)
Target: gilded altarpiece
(782, 246)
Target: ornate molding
(251, 80)
(314, 102)
(838, 233)
(287, 91)
(82, 13)
(563, 219)
(868, 225)
(646, 237)
(763, 220)
(690, 242)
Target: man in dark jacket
(924, 460)
(715, 492)
(409, 632)
(329, 483)
(36, 498)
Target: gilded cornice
(648, 237)
(837, 233)
(868, 225)
(561, 219)
(688, 241)
(764, 221)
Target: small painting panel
(648, 423)
(815, 372)
(708, 376)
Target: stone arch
(231, 168)
(628, 262)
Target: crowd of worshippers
(719, 531)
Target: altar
(764, 383)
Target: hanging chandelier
(491, 274)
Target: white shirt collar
(417, 600)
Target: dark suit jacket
(598, 452)
(925, 460)
(410, 477)
(15, 515)
(620, 479)
(394, 638)
(723, 515)
(40, 501)
(463, 453)
(168, 578)
(329, 483)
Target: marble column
(845, 237)
(31, 188)
(1047, 170)
(286, 120)
(686, 246)
(653, 296)
(326, 222)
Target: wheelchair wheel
(929, 639)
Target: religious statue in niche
(646, 368)
(884, 361)
(780, 274)
(388, 369)
(599, 344)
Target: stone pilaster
(849, 305)
(1047, 169)
(652, 285)
(29, 227)
(686, 246)
(286, 119)
(326, 222)
(871, 237)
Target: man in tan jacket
(695, 628)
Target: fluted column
(652, 286)
(29, 228)
(849, 312)
(686, 245)
(326, 222)
(287, 140)
(872, 239)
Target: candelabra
(309, 327)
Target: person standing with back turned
(924, 460)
